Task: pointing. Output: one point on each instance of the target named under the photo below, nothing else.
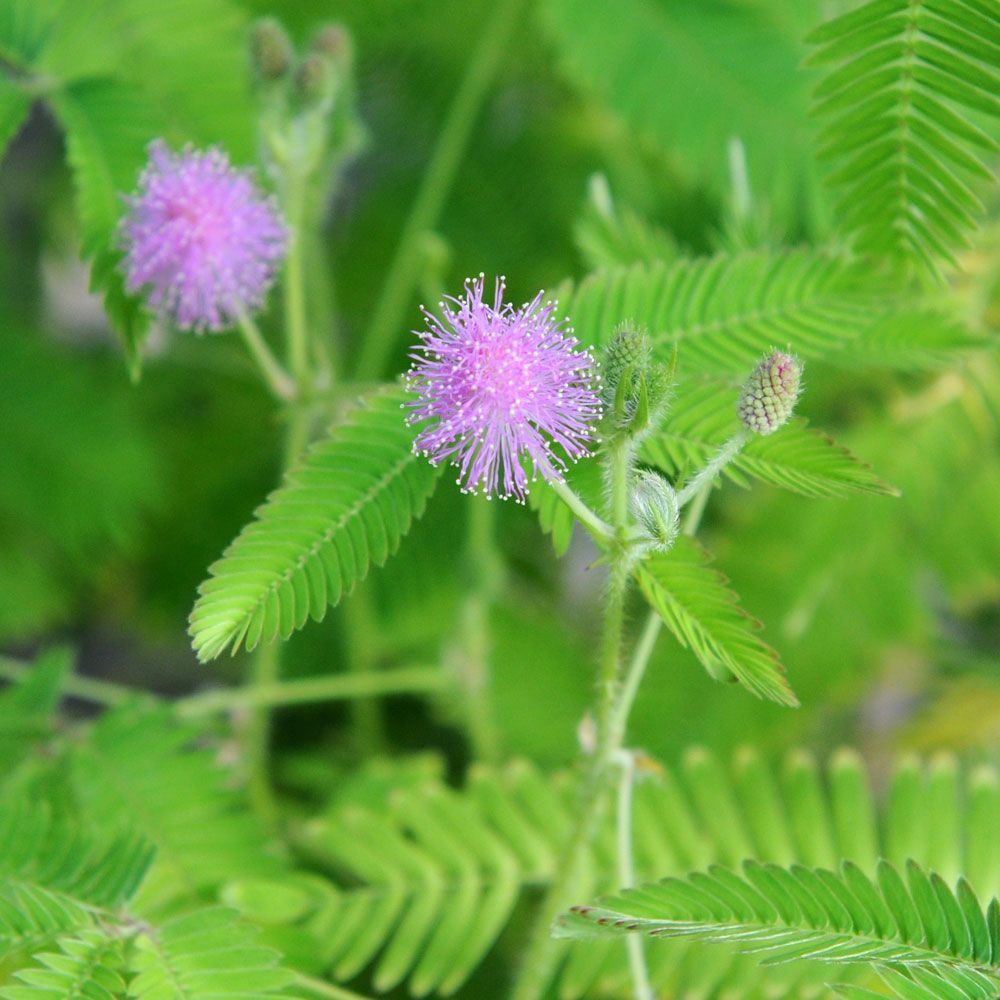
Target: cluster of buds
(636, 388)
(307, 100)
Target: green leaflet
(14, 107)
(423, 868)
(724, 312)
(907, 82)
(107, 129)
(696, 604)
(797, 912)
(344, 508)
(139, 767)
(797, 458)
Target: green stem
(471, 653)
(85, 688)
(278, 380)
(361, 642)
(707, 475)
(543, 950)
(337, 687)
(435, 187)
(626, 871)
(296, 325)
(596, 525)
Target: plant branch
(278, 380)
(435, 187)
(715, 465)
(336, 687)
(596, 525)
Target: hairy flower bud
(270, 49)
(654, 506)
(636, 388)
(769, 395)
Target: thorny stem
(278, 380)
(434, 188)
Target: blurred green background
(115, 496)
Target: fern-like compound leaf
(797, 912)
(703, 417)
(141, 766)
(88, 964)
(430, 870)
(907, 79)
(696, 604)
(345, 508)
(209, 953)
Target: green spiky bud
(314, 79)
(653, 504)
(769, 395)
(636, 388)
(270, 49)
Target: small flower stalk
(769, 395)
(506, 393)
(200, 239)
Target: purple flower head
(201, 237)
(500, 387)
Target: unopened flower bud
(313, 78)
(270, 49)
(334, 42)
(654, 506)
(769, 395)
(636, 389)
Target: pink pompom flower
(200, 238)
(507, 395)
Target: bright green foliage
(208, 953)
(430, 875)
(703, 417)
(55, 853)
(610, 235)
(87, 964)
(676, 73)
(344, 508)
(814, 913)
(724, 312)
(702, 612)
(908, 80)
(26, 708)
(139, 767)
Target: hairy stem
(91, 689)
(543, 950)
(715, 465)
(296, 325)
(434, 188)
